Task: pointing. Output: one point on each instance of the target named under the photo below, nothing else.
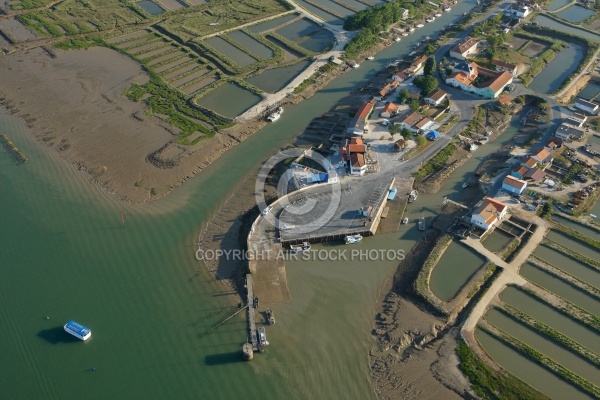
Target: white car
(266, 210)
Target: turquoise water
(67, 255)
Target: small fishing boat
(270, 317)
(447, 9)
(465, 185)
(276, 115)
(370, 58)
(405, 220)
(300, 248)
(438, 15)
(473, 147)
(355, 65)
(392, 193)
(413, 196)
(420, 25)
(351, 239)
(422, 223)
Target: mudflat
(73, 102)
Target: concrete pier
(251, 314)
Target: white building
(488, 212)
(587, 106)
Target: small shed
(399, 144)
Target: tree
(396, 128)
(420, 140)
(427, 84)
(406, 134)
(430, 49)
(403, 96)
(429, 67)
(414, 105)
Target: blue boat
(392, 194)
(78, 330)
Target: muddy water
(574, 245)
(497, 240)
(560, 287)
(569, 265)
(527, 370)
(252, 44)
(550, 23)
(544, 313)
(275, 79)
(219, 100)
(576, 13)
(590, 232)
(570, 360)
(228, 50)
(453, 270)
(558, 69)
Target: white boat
(420, 25)
(397, 39)
(79, 331)
(447, 9)
(430, 19)
(438, 15)
(422, 223)
(413, 196)
(262, 339)
(351, 239)
(404, 34)
(370, 58)
(300, 248)
(405, 220)
(473, 147)
(355, 65)
(271, 317)
(465, 185)
(411, 29)
(276, 115)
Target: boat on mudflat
(413, 196)
(79, 331)
(351, 239)
(271, 317)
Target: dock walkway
(251, 314)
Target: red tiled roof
(521, 170)
(504, 100)
(499, 81)
(364, 111)
(464, 46)
(422, 123)
(529, 161)
(514, 182)
(437, 95)
(390, 107)
(498, 205)
(412, 118)
(357, 159)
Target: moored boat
(79, 331)
(270, 317)
(413, 196)
(473, 147)
(351, 239)
(447, 9)
(465, 184)
(405, 220)
(422, 223)
(262, 339)
(301, 248)
(276, 115)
